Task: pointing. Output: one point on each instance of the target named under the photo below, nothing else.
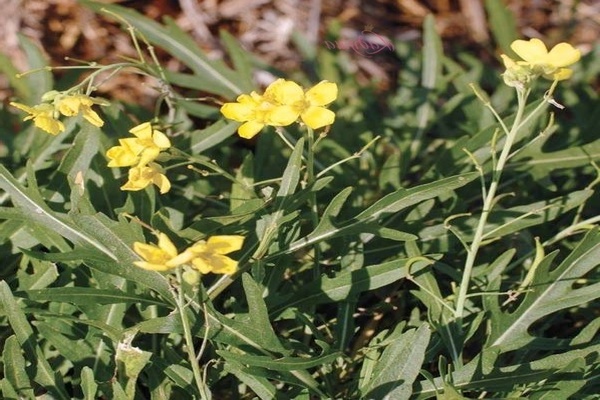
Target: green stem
(312, 199)
(189, 341)
(488, 203)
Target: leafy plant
(445, 247)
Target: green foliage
(355, 241)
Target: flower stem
(488, 204)
(189, 341)
(312, 199)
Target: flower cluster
(537, 60)
(204, 256)
(282, 104)
(139, 153)
(45, 115)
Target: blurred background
(279, 32)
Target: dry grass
(65, 28)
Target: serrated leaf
(572, 157)
(346, 284)
(504, 378)
(390, 204)
(502, 222)
(551, 290)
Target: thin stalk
(189, 341)
(488, 203)
(312, 199)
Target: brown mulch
(64, 28)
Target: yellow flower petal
(142, 131)
(163, 183)
(250, 129)
(165, 244)
(317, 117)
(322, 93)
(139, 178)
(151, 266)
(92, 117)
(282, 92)
(560, 74)
(183, 258)
(148, 155)
(23, 107)
(121, 156)
(161, 140)
(48, 124)
(563, 55)
(281, 116)
(531, 51)
(238, 112)
(156, 257)
(215, 263)
(225, 244)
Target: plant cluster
(447, 248)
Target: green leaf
(572, 157)
(346, 284)
(279, 364)
(258, 317)
(78, 158)
(86, 296)
(551, 290)
(432, 54)
(208, 138)
(399, 366)
(390, 204)
(505, 378)
(89, 387)
(118, 238)
(41, 81)
(73, 350)
(130, 362)
(14, 368)
(241, 60)
(44, 374)
(33, 206)
(502, 24)
(502, 222)
(261, 386)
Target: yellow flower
(124, 155)
(43, 117)
(209, 256)
(71, 105)
(309, 106)
(256, 112)
(156, 257)
(142, 176)
(551, 64)
(281, 105)
(141, 150)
